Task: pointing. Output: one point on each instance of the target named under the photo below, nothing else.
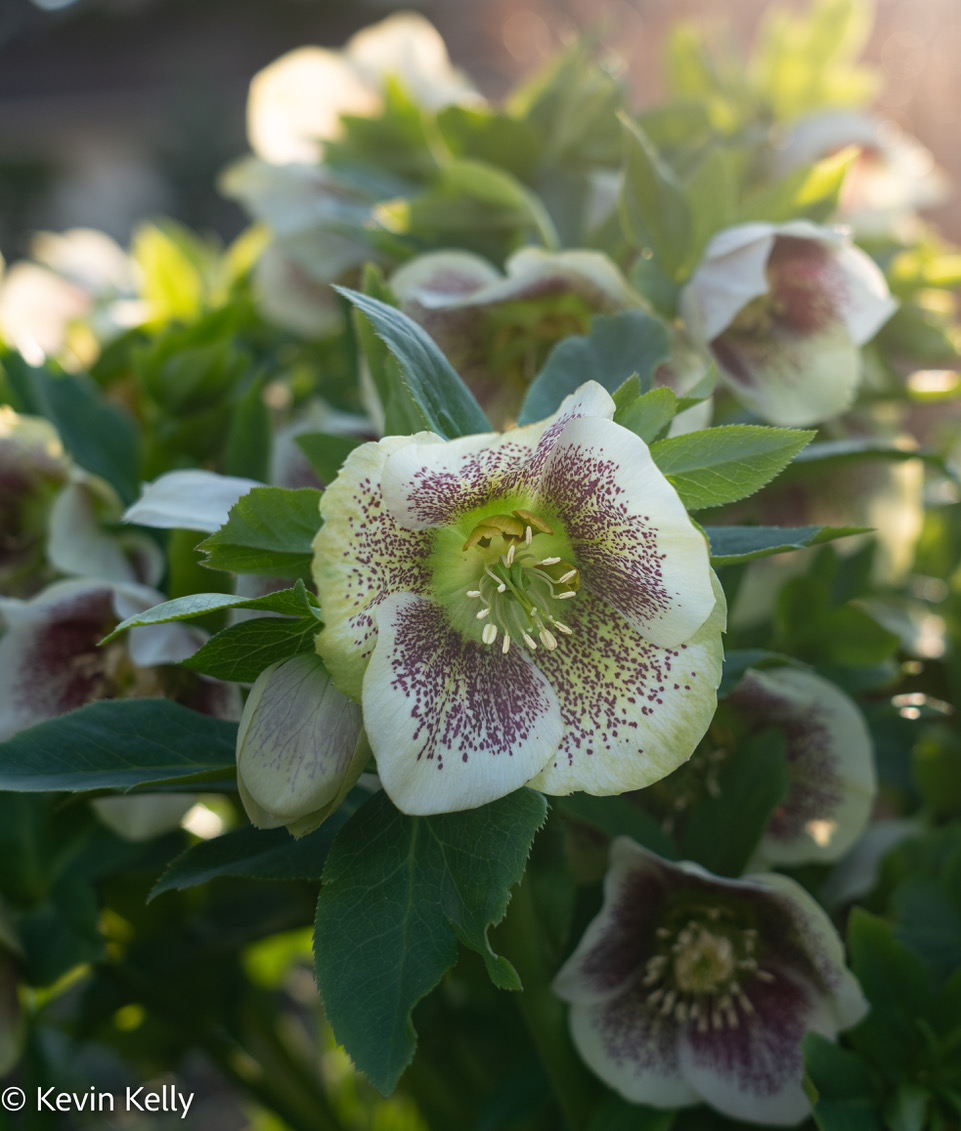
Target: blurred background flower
(116, 109)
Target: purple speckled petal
(631, 537)
(632, 711)
(754, 1071)
(452, 722)
(435, 484)
(361, 556)
(830, 763)
(633, 1048)
(620, 938)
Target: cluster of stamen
(697, 972)
(517, 589)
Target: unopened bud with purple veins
(300, 746)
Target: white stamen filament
(509, 558)
(528, 535)
(489, 634)
(473, 592)
(529, 642)
(566, 596)
(506, 643)
(567, 576)
(549, 561)
(484, 613)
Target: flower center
(519, 590)
(697, 972)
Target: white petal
(296, 102)
(830, 763)
(632, 711)
(452, 722)
(188, 500)
(433, 484)
(731, 274)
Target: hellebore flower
(687, 987)
(51, 662)
(783, 309)
(532, 607)
(299, 746)
(76, 291)
(296, 102)
(51, 514)
(892, 176)
(830, 760)
(498, 329)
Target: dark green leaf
(260, 854)
(247, 447)
(398, 893)
(270, 532)
(732, 544)
(616, 816)
(100, 435)
(654, 210)
(326, 453)
(721, 832)
(118, 744)
(844, 1089)
(618, 346)
(721, 465)
(242, 651)
(297, 601)
(442, 401)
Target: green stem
(544, 1013)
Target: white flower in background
(77, 291)
(497, 329)
(690, 988)
(531, 608)
(316, 219)
(51, 661)
(892, 177)
(53, 515)
(296, 102)
(300, 747)
(685, 370)
(783, 309)
(830, 761)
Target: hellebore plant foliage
(430, 596)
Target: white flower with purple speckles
(690, 988)
(51, 662)
(783, 309)
(830, 759)
(533, 607)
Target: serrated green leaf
(326, 453)
(260, 854)
(241, 652)
(269, 532)
(442, 401)
(618, 346)
(722, 465)
(733, 544)
(649, 414)
(295, 602)
(118, 744)
(398, 893)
